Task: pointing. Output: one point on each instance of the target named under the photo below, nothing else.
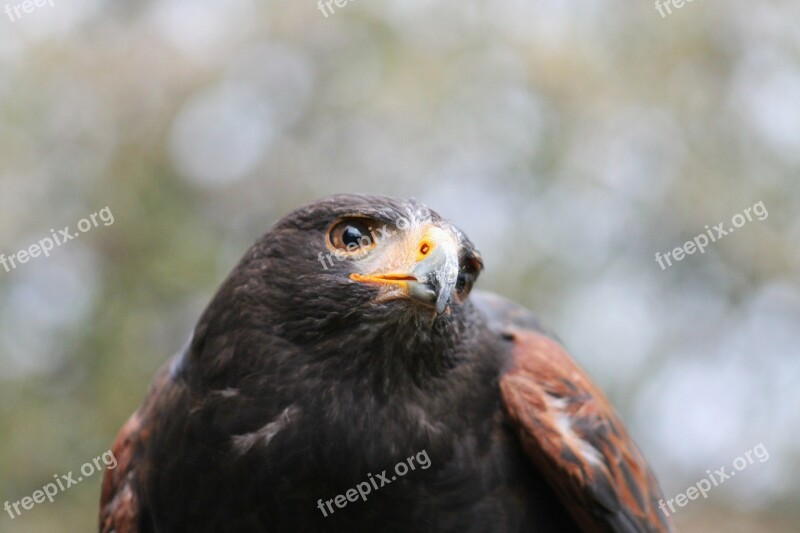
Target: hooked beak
(429, 277)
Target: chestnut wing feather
(119, 499)
(569, 430)
(121, 505)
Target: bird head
(417, 258)
(343, 279)
(373, 251)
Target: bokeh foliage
(570, 140)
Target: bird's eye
(351, 235)
(464, 282)
(467, 275)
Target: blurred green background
(570, 140)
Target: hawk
(346, 343)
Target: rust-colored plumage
(120, 498)
(570, 431)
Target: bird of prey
(346, 344)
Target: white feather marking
(564, 424)
(244, 443)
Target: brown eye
(468, 273)
(351, 235)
